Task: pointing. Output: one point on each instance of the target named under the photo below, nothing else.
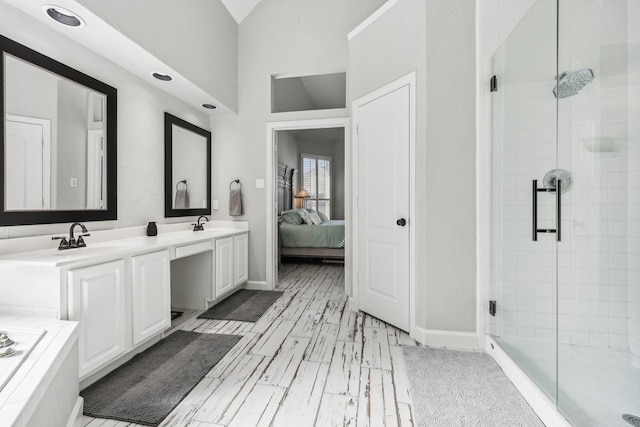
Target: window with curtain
(316, 179)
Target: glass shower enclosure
(565, 207)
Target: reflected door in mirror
(27, 148)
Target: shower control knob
(401, 222)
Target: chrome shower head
(570, 83)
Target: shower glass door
(567, 110)
(599, 256)
(524, 149)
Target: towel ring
(235, 181)
(184, 181)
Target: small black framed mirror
(187, 168)
(58, 141)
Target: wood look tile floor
(308, 361)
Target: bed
(325, 240)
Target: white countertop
(113, 249)
(20, 396)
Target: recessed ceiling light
(209, 106)
(63, 16)
(162, 76)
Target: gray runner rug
(462, 388)
(245, 305)
(147, 388)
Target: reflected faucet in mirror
(198, 226)
(72, 242)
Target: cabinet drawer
(195, 248)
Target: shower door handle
(558, 208)
(534, 214)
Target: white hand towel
(235, 202)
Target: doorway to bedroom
(308, 209)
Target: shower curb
(539, 402)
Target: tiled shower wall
(633, 122)
(593, 145)
(598, 258)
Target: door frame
(408, 80)
(271, 202)
(46, 152)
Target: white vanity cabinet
(241, 258)
(120, 290)
(232, 266)
(151, 294)
(97, 300)
(225, 280)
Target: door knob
(401, 222)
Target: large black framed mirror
(58, 137)
(187, 169)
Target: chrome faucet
(72, 242)
(198, 226)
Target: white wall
(279, 36)
(198, 39)
(450, 165)
(141, 110)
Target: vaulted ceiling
(239, 9)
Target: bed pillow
(304, 214)
(292, 217)
(315, 218)
(323, 217)
(313, 211)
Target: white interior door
(27, 172)
(383, 140)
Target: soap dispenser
(152, 229)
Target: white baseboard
(449, 339)
(75, 418)
(543, 407)
(259, 286)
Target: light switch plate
(259, 183)
(74, 182)
(215, 204)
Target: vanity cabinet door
(151, 294)
(225, 268)
(241, 251)
(97, 301)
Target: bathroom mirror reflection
(187, 168)
(58, 142)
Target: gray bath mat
(245, 305)
(147, 388)
(460, 388)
